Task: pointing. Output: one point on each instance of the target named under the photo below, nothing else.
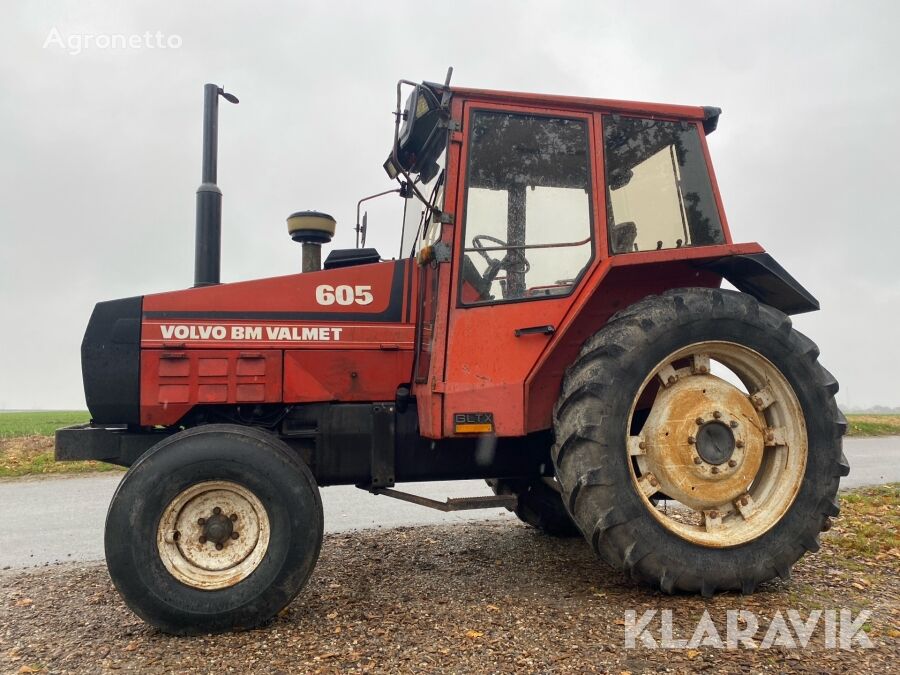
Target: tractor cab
(518, 206)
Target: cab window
(417, 233)
(528, 207)
(659, 194)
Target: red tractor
(554, 323)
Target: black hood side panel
(111, 361)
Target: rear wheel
(698, 442)
(540, 505)
(217, 527)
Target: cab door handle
(544, 330)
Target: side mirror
(422, 137)
(363, 229)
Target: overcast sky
(100, 147)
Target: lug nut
(201, 521)
(653, 481)
(715, 469)
(235, 535)
(770, 437)
(744, 501)
(717, 415)
(697, 460)
(217, 511)
(733, 424)
(713, 514)
(233, 517)
(699, 421)
(219, 547)
(671, 379)
(702, 369)
(732, 463)
(641, 445)
(202, 539)
(691, 440)
(739, 443)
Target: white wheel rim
(682, 450)
(199, 548)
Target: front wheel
(699, 443)
(215, 528)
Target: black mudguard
(759, 275)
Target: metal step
(454, 503)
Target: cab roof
(707, 114)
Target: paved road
(48, 520)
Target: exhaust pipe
(208, 242)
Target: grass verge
(873, 425)
(33, 455)
(869, 525)
(26, 444)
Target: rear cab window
(659, 193)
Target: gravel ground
(485, 597)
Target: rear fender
(759, 275)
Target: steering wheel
(511, 262)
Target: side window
(659, 191)
(416, 232)
(528, 207)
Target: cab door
(524, 243)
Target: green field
(26, 440)
(42, 423)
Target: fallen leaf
(131, 646)
(474, 634)
(24, 602)
(692, 653)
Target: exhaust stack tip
(208, 237)
(312, 229)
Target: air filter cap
(311, 227)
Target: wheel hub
(704, 442)
(715, 443)
(213, 535)
(218, 528)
